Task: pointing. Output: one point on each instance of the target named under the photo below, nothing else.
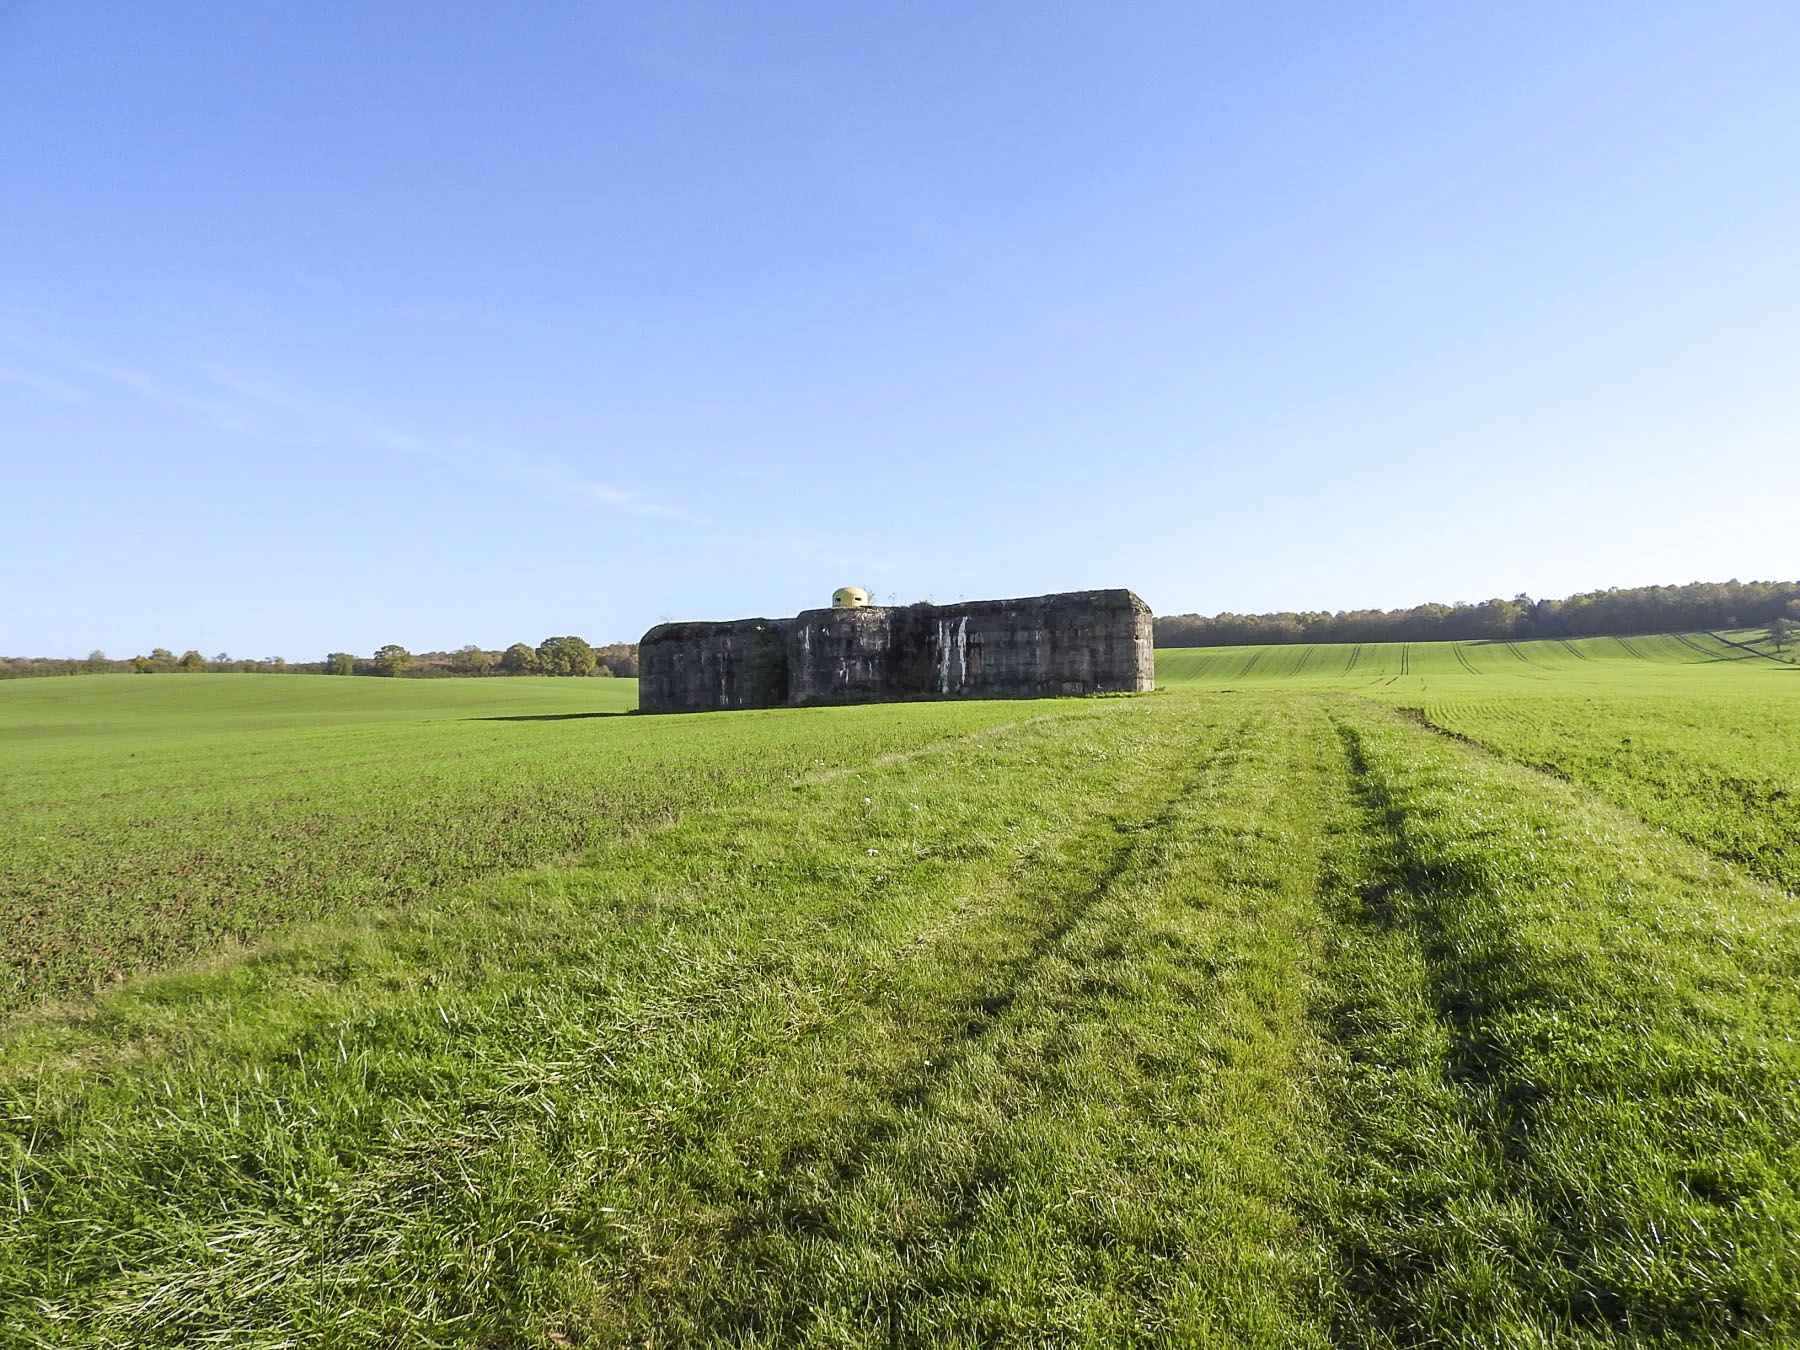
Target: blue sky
(328, 326)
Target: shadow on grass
(552, 717)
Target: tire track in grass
(1535, 669)
(621, 1083)
(1747, 648)
(1106, 1155)
(1537, 1108)
(804, 1169)
(431, 1147)
(1535, 655)
(1463, 659)
(1573, 650)
(1689, 643)
(1758, 808)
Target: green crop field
(1407, 995)
(1696, 733)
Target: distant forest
(566, 655)
(1609, 613)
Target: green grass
(1258, 1011)
(1696, 733)
(1571, 1095)
(150, 820)
(1595, 662)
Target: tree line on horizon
(1615, 612)
(566, 655)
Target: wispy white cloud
(41, 384)
(267, 414)
(563, 480)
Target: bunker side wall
(698, 667)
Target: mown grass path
(1251, 1019)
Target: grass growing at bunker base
(1272, 1017)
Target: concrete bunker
(1077, 642)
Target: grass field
(154, 819)
(1695, 733)
(1604, 663)
(1403, 996)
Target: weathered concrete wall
(691, 667)
(858, 655)
(1081, 642)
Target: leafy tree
(340, 663)
(1612, 612)
(192, 661)
(620, 659)
(565, 656)
(392, 659)
(470, 660)
(1498, 618)
(1781, 633)
(143, 665)
(519, 659)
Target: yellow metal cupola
(849, 597)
